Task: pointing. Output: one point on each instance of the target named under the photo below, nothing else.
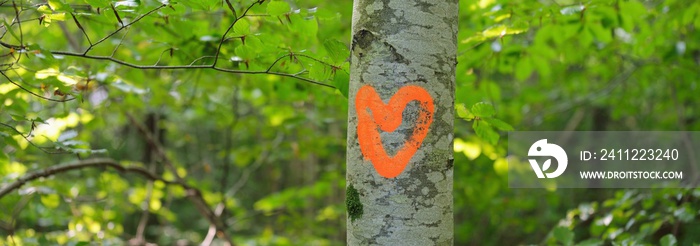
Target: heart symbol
(388, 117)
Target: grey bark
(398, 43)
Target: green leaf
(502, 30)
(463, 112)
(199, 4)
(482, 110)
(684, 214)
(341, 81)
(668, 240)
(245, 52)
(303, 26)
(572, 9)
(486, 132)
(543, 66)
(58, 5)
(310, 26)
(98, 3)
(242, 27)
(523, 68)
(10, 30)
(55, 4)
(492, 90)
(319, 72)
(43, 54)
(17, 117)
(49, 18)
(564, 235)
(277, 8)
(499, 124)
(58, 17)
(44, 9)
(337, 50)
(600, 33)
(9, 140)
(51, 200)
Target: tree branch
(98, 162)
(183, 67)
(43, 149)
(33, 93)
(223, 37)
(192, 193)
(123, 26)
(84, 54)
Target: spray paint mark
(388, 117)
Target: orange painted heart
(388, 117)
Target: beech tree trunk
(400, 122)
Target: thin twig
(77, 23)
(43, 149)
(120, 42)
(200, 58)
(33, 93)
(159, 67)
(161, 56)
(19, 25)
(230, 27)
(122, 27)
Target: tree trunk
(401, 115)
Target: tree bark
(400, 122)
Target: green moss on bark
(353, 204)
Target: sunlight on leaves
(470, 149)
(276, 8)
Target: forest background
(255, 143)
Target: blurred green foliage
(269, 148)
